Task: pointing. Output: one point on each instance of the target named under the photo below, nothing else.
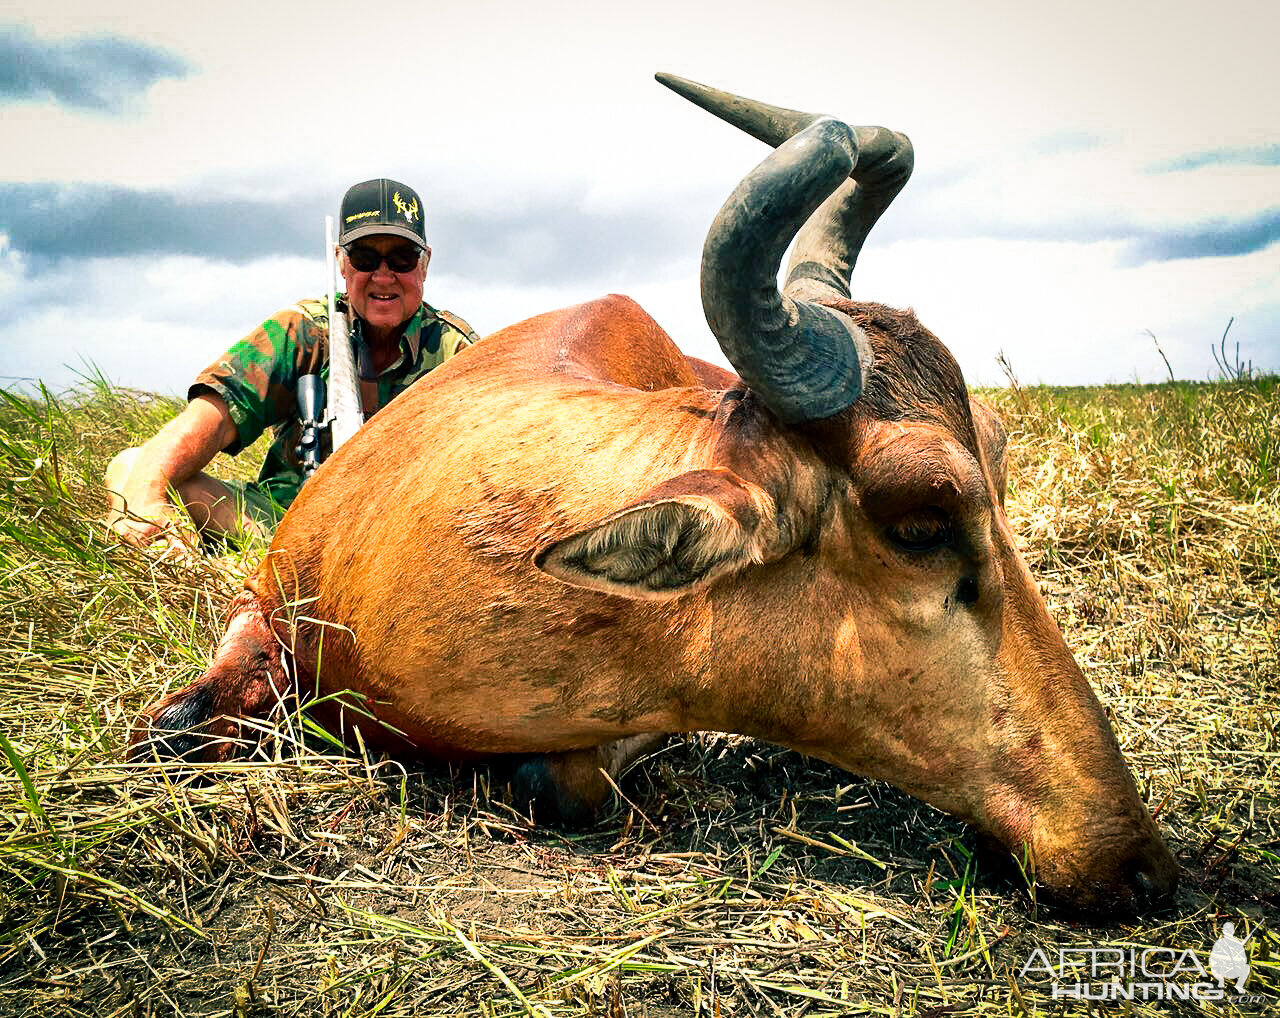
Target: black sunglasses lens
(366, 259)
(363, 259)
(403, 259)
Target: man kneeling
(383, 256)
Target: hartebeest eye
(921, 530)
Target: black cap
(382, 206)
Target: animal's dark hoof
(184, 731)
(536, 791)
(169, 746)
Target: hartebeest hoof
(191, 725)
(202, 722)
(185, 726)
(568, 789)
(559, 789)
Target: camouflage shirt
(257, 378)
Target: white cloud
(488, 107)
(1067, 313)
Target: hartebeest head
(970, 697)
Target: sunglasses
(366, 259)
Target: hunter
(383, 255)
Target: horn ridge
(801, 358)
(827, 247)
(806, 360)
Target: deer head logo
(410, 212)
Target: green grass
(746, 880)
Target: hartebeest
(605, 539)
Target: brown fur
(602, 539)
(914, 377)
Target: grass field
(735, 879)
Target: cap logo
(410, 212)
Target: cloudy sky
(1086, 173)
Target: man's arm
(138, 480)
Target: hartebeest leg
(202, 721)
(568, 788)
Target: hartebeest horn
(827, 248)
(805, 360)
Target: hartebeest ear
(677, 537)
(993, 439)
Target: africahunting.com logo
(1148, 973)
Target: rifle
(345, 413)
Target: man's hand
(141, 525)
(142, 514)
(139, 480)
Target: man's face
(384, 298)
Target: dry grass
(738, 878)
